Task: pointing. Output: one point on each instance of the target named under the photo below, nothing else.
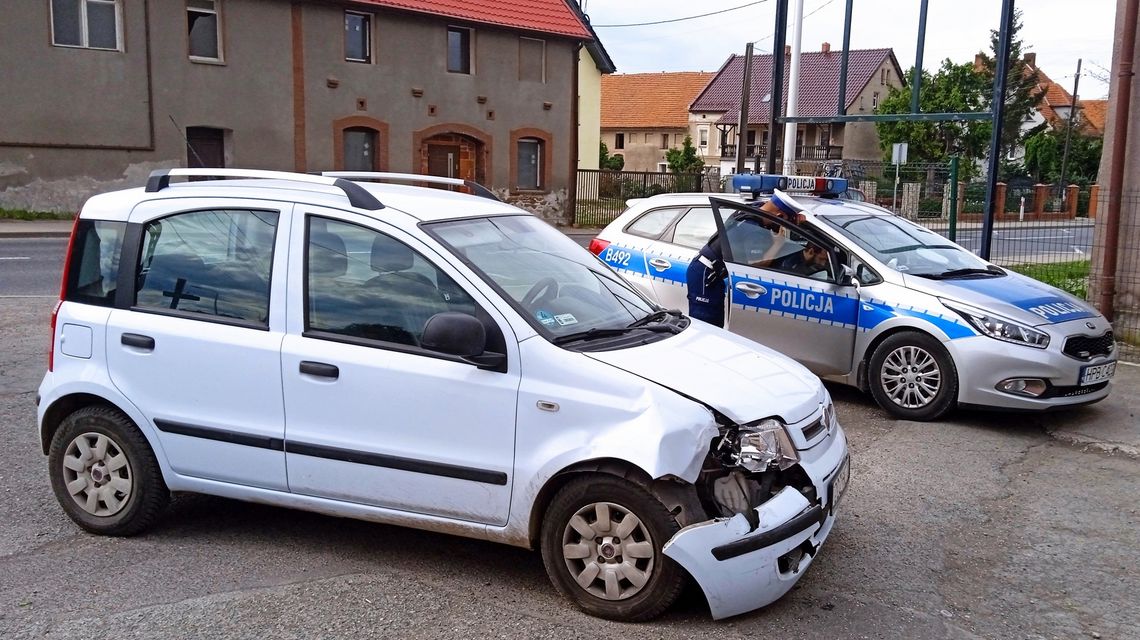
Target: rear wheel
(912, 376)
(104, 473)
(601, 544)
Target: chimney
(787, 50)
(1031, 59)
(826, 48)
(979, 62)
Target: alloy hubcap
(608, 551)
(97, 474)
(911, 377)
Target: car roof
(421, 203)
(812, 204)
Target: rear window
(93, 266)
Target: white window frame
(371, 47)
(703, 137)
(217, 11)
(83, 29)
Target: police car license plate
(839, 482)
(1094, 373)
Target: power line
(813, 12)
(703, 15)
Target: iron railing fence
(602, 194)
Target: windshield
(559, 286)
(909, 248)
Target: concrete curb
(1089, 443)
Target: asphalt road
(1030, 243)
(981, 527)
(31, 266)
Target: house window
(882, 76)
(92, 24)
(662, 167)
(357, 37)
(359, 149)
(532, 60)
(458, 50)
(530, 164)
(875, 100)
(648, 138)
(619, 141)
(664, 141)
(678, 139)
(703, 137)
(825, 136)
(205, 147)
(203, 28)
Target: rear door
(634, 251)
(198, 351)
(372, 417)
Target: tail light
(62, 291)
(597, 246)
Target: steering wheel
(544, 290)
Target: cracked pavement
(979, 527)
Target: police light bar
(752, 185)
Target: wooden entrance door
(443, 160)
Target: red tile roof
(541, 16)
(1050, 94)
(650, 100)
(819, 83)
(1093, 114)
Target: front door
(785, 291)
(371, 416)
(443, 160)
(198, 352)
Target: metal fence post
(953, 198)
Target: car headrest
(327, 254)
(390, 255)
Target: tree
(1020, 87)
(608, 162)
(1044, 153)
(685, 159)
(955, 88)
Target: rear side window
(211, 263)
(93, 266)
(651, 224)
(695, 229)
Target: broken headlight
(764, 444)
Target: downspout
(575, 135)
(1116, 165)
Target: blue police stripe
(874, 313)
(807, 303)
(626, 259)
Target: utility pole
(745, 94)
(777, 99)
(793, 91)
(1069, 130)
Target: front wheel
(601, 544)
(912, 376)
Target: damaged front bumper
(741, 569)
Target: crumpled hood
(1014, 296)
(742, 379)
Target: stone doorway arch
(453, 150)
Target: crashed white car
(431, 359)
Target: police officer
(707, 274)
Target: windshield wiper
(657, 316)
(599, 332)
(990, 270)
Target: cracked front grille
(1086, 347)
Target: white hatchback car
(431, 359)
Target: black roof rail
(358, 196)
(476, 188)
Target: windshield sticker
(544, 317)
(565, 319)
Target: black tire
(653, 524)
(127, 497)
(904, 393)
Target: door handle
(137, 341)
(750, 290)
(660, 264)
(320, 369)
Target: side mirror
(458, 334)
(850, 278)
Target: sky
(955, 29)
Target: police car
(865, 298)
(358, 347)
